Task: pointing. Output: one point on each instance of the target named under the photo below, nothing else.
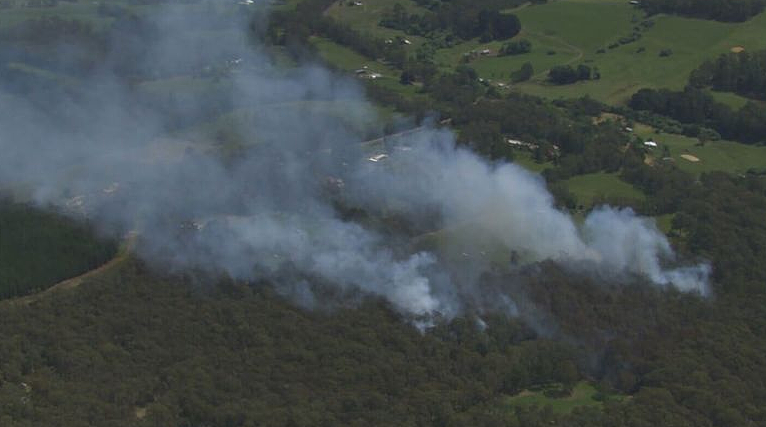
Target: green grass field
(591, 187)
(525, 160)
(664, 222)
(81, 10)
(583, 394)
(624, 70)
(87, 10)
(348, 60)
(233, 129)
(722, 155)
(731, 99)
(575, 30)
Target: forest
(39, 248)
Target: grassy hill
(693, 157)
(590, 25)
(571, 32)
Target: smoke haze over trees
(264, 214)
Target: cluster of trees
(566, 74)
(494, 25)
(719, 10)
(697, 107)
(516, 47)
(743, 73)
(469, 19)
(523, 74)
(485, 23)
(39, 249)
(399, 19)
(292, 28)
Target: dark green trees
(522, 74)
(565, 74)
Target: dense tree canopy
(38, 249)
(743, 73)
(566, 74)
(719, 10)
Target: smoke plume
(281, 199)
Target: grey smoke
(267, 213)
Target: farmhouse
(366, 73)
(113, 187)
(517, 143)
(378, 157)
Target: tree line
(697, 107)
(719, 10)
(468, 19)
(566, 74)
(743, 73)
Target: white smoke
(266, 213)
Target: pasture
(346, 59)
(629, 67)
(594, 187)
(727, 156)
(572, 32)
(82, 10)
(583, 394)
